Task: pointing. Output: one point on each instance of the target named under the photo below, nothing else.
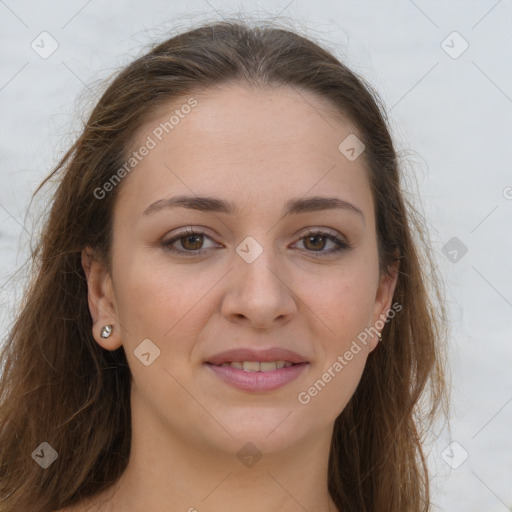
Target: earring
(379, 335)
(106, 331)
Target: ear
(101, 300)
(383, 300)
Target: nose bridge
(259, 290)
(257, 265)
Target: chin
(268, 432)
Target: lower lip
(258, 381)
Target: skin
(256, 148)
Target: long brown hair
(59, 386)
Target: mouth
(281, 357)
(257, 370)
(258, 366)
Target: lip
(262, 355)
(258, 381)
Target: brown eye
(190, 243)
(313, 242)
(316, 242)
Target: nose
(259, 294)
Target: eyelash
(341, 244)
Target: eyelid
(188, 231)
(335, 237)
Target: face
(279, 275)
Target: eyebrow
(291, 207)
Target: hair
(58, 385)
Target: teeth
(268, 367)
(257, 366)
(251, 366)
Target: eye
(189, 240)
(316, 240)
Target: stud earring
(379, 335)
(106, 331)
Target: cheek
(145, 289)
(344, 305)
(345, 308)
(344, 302)
(166, 303)
(332, 387)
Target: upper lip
(266, 355)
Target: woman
(228, 308)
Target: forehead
(245, 143)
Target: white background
(452, 117)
